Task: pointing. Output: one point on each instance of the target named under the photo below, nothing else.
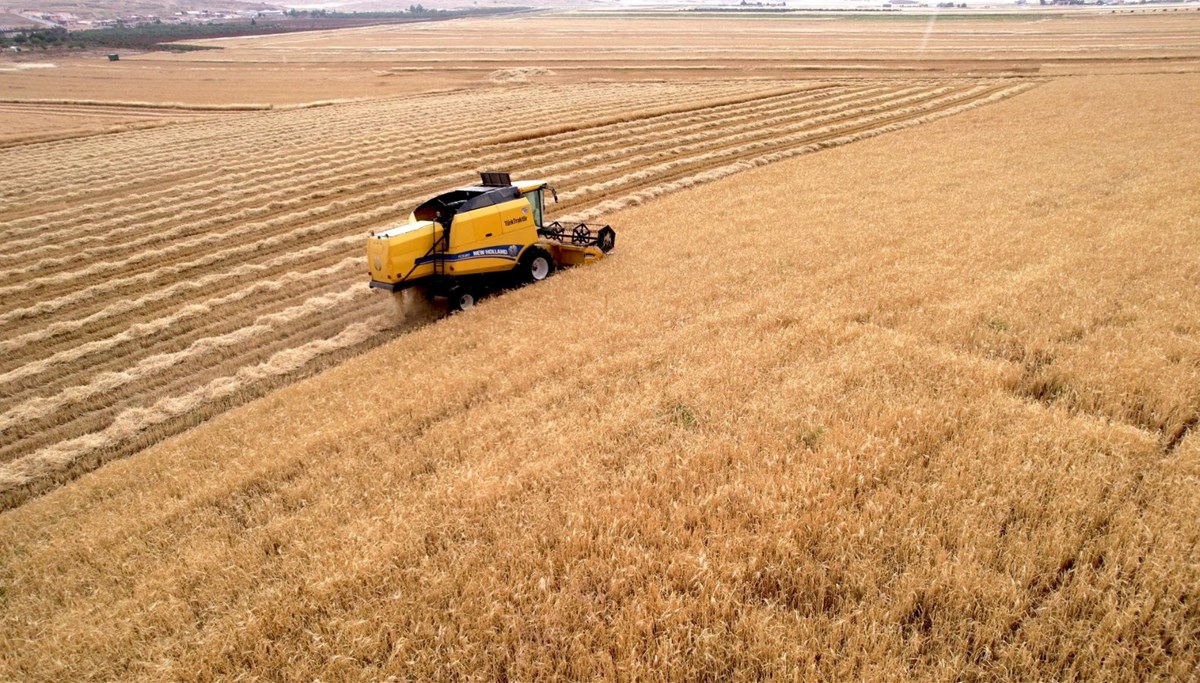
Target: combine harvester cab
(465, 242)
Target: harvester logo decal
(519, 219)
(378, 263)
(507, 252)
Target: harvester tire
(536, 265)
(606, 239)
(461, 299)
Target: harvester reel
(581, 235)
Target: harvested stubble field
(569, 47)
(27, 121)
(685, 44)
(66, 96)
(228, 260)
(915, 407)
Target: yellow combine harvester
(467, 241)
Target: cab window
(535, 200)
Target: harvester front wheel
(536, 265)
(461, 299)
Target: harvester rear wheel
(536, 265)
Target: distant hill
(112, 9)
(9, 20)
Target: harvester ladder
(440, 247)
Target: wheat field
(893, 375)
(934, 429)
